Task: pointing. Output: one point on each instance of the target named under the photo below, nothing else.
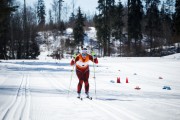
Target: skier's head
(84, 52)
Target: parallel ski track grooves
(114, 112)
(58, 84)
(20, 105)
(26, 109)
(55, 85)
(164, 103)
(111, 110)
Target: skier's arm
(74, 60)
(96, 60)
(93, 59)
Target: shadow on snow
(38, 69)
(15, 90)
(38, 66)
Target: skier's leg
(86, 86)
(86, 82)
(79, 86)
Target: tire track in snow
(20, 105)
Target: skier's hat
(84, 50)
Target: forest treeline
(138, 28)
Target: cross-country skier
(82, 69)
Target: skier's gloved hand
(93, 54)
(74, 56)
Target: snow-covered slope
(50, 42)
(38, 90)
(173, 56)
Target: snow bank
(174, 56)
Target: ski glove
(93, 54)
(75, 55)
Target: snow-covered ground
(38, 90)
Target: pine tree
(128, 28)
(166, 20)
(78, 29)
(153, 25)
(17, 23)
(101, 25)
(110, 14)
(32, 34)
(6, 8)
(177, 17)
(50, 19)
(177, 23)
(34, 49)
(118, 24)
(59, 7)
(98, 22)
(25, 43)
(55, 10)
(72, 20)
(41, 13)
(134, 24)
(106, 14)
(25, 33)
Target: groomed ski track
(40, 93)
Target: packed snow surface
(38, 89)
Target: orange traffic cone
(127, 80)
(118, 80)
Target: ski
(80, 98)
(90, 98)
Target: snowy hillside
(38, 90)
(174, 56)
(52, 41)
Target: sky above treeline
(87, 6)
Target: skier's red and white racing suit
(82, 70)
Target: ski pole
(94, 78)
(70, 80)
(74, 56)
(94, 74)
